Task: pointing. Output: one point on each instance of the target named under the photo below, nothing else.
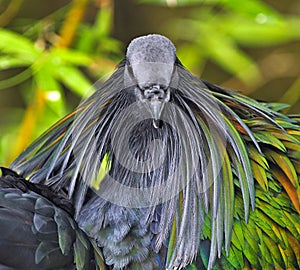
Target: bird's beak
(154, 97)
(153, 86)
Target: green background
(51, 52)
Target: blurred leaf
(17, 51)
(46, 66)
(251, 8)
(219, 47)
(17, 79)
(61, 55)
(95, 38)
(103, 21)
(265, 33)
(7, 62)
(191, 56)
(228, 56)
(74, 79)
(181, 2)
(292, 95)
(217, 36)
(51, 89)
(45, 80)
(12, 43)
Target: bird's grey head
(150, 67)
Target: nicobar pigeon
(157, 169)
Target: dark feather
(37, 233)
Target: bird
(157, 169)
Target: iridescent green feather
(271, 237)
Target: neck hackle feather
(211, 160)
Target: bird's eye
(130, 70)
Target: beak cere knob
(154, 93)
(155, 97)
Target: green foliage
(217, 31)
(46, 71)
(221, 36)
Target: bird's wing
(37, 233)
(270, 236)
